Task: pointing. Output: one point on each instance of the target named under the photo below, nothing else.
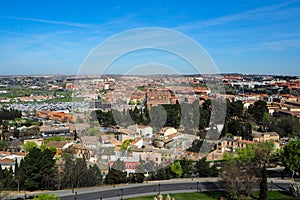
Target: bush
(295, 189)
(47, 197)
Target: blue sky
(54, 37)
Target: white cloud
(65, 23)
(251, 15)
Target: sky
(57, 37)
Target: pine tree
(38, 169)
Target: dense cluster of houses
(161, 147)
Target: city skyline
(241, 37)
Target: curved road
(118, 192)
(134, 190)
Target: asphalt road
(150, 188)
(142, 190)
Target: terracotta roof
(136, 140)
(90, 140)
(245, 141)
(126, 131)
(7, 160)
(79, 146)
(143, 126)
(60, 114)
(56, 144)
(115, 141)
(20, 153)
(4, 153)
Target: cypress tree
(16, 167)
(263, 184)
(1, 173)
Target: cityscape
(131, 100)
(120, 132)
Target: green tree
(1, 176)
(173, 114)
(235, 109)
(104, 118)
(20, 174)
(28, 146)
(92, 132)
(8, 178)
(76, 173)
(234, 126)
(117, 173)
(228, 156)
(196, 145)
(187, 167)
(263, 192)
(139, 177)
(126, 144)
(176, 169)
(246, 154)
(203, 169)
(288, 126)
(291, 156)
(264, 152)
(81, 173)
(259, 154)
(38, 169)
(9, 114)
(69, 178)
(94, 175)
(241, 172)
(258, 110)
(163, 173)
(204, 117)
(136, 115)
(238, 178)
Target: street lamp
(121, 193)
(197, 186)
(159, 189)
(271, 185)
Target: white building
(145, 131)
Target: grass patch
(56, 139)
(64, 99)
(275, 195)
(187, 196)
(215, 195)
